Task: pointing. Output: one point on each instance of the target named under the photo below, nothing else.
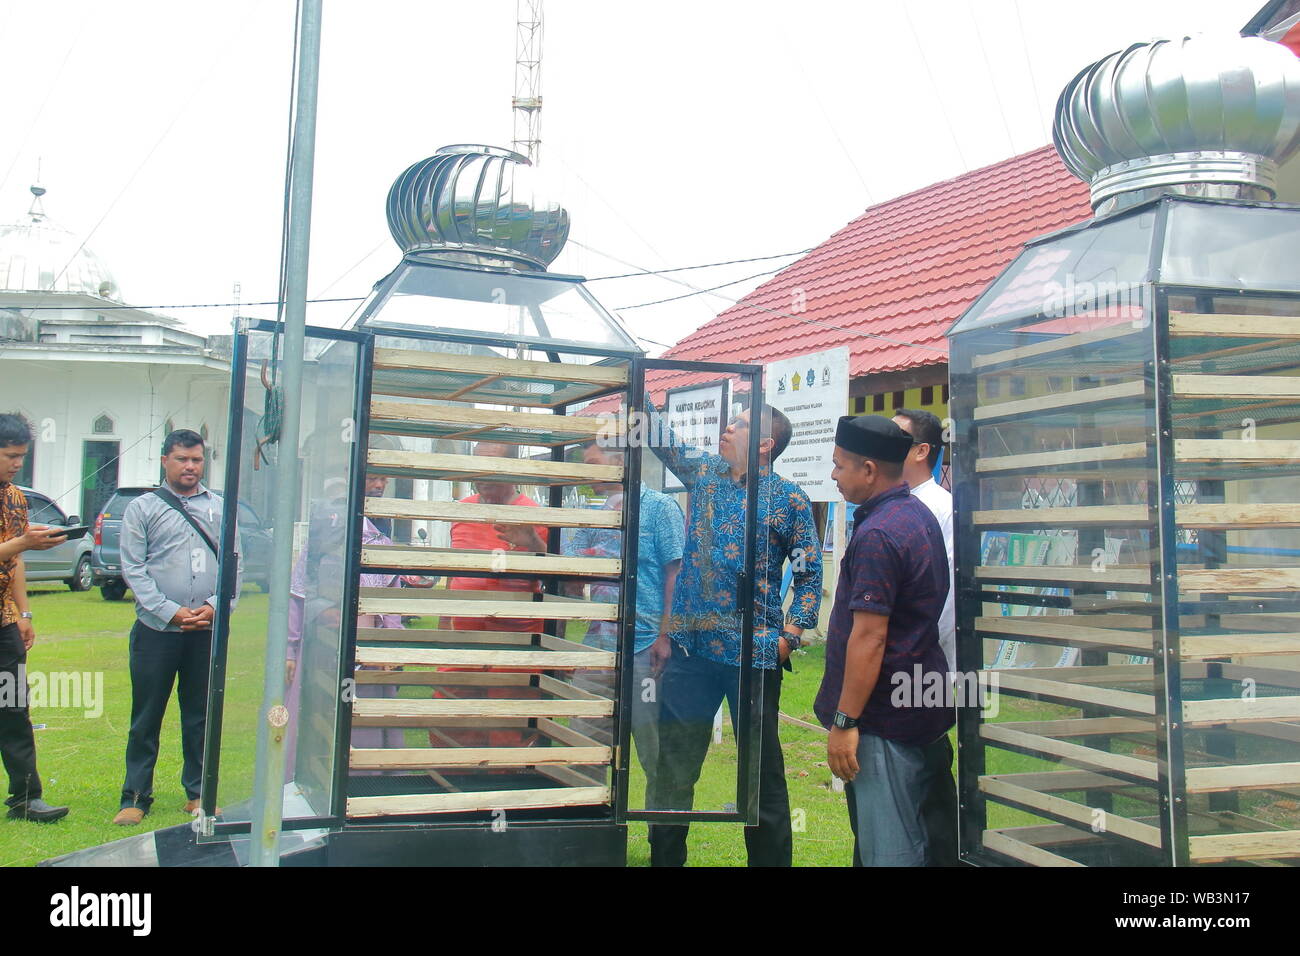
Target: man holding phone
(17, 742)
(169, 560)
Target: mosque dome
(39, 256)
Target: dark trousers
(690, 691)
(17, 744)
(159, 659)
(938, 808)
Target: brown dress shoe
(128, 816)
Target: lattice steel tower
(527, 102)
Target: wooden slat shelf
(1206, 713)
(1278, 451)
(460, 561)
(1077, 695)
(436, 758)
(444, 467)
(1042, 629)
(1226, 517)
(1236, 386)
(1134, 452)
(1083, 397)
(417, 710)
(1222, 325)
(1086, 516)
(543, 516)
(1203, 646)
(1227, 847)
(1110, 574)
(1059, 808)
(1242, 777)
(1003, 842)
(492, 610)
(474, 657)
(413, 359)
(480, 800)
(1236, 580)
(1064, 343)
(1084, 726)
(1077, 755)
(443, 678)
(486, 424)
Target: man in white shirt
(918, 472)
(939, 808)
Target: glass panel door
(699, 627)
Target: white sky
(675, 132)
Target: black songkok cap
(873, 436)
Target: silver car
(68, 562)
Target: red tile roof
(890, 283)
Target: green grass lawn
(81, 758)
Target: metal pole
(268, 786)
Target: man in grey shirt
(171, 566)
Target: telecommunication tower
(527, 102)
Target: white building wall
(63, 398)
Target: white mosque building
(101, 382)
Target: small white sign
(697, 416)
(813, 391)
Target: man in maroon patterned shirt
(884, 692)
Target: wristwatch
(844, 721)
(26, 615)
(794, 641)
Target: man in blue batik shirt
(704, 665)
(660, 533)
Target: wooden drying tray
(1236, 386)
(1260, 451)
(507, 639)
(1222, 325)
(412, 804)
(1132, 454)
(1010, 789)
(1050, 684)
(1122, 767)
(483, 604)
(1115, 576)
(478, 378)
(1222, 517)
(1027, 844)
(1086, 516)
(453, 561)
(568, 747)
(1064, 400)
(1230, 847)
(489, 424)
(440, 467)
(408, 509)
(402, 712)
(543, 658)
(1078, 630)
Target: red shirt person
(484, 536)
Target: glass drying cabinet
(1127, 400)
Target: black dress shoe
(37, 810)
